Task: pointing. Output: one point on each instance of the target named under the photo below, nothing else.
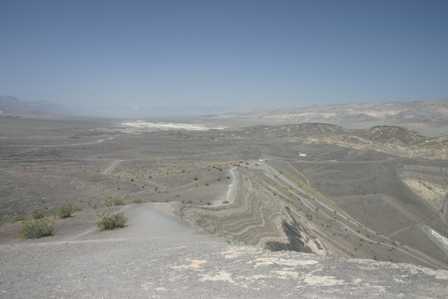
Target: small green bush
(37, 228)
(112, 221)
(137, 200)
(66, 211)
(19, 218)
(115, 201)
(38, 214)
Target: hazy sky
(155, 56)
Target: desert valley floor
(308, 209)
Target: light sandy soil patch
(149, 126)
(219, 276)
(425, 189)
(322, 280)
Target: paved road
(157, 257)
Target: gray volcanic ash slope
(355, 209)
(336, 201)
(156, 257)
(332, 193)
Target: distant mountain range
(13, 107)
(435, 112)
(429, 117)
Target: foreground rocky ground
(358, 199)
(157, 257)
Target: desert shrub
(66, 211)
(38, 214)
(137, 200)
(119, 202)
(19, 218)
(115, 201)
(109, 221)
(37, 228)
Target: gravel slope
(157, 257)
